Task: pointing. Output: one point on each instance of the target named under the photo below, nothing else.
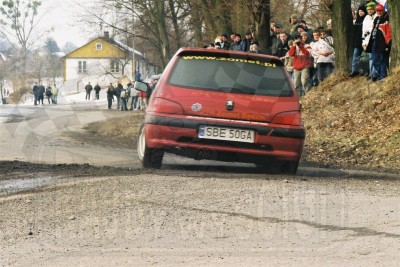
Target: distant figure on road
(54, 91)
(110, 95)
(48, 93)
(41, 93)
(138, 76)
(88, 89)
(97, 89)
(35, 91)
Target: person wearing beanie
(380, 43)
(225, 45)
(367, 27)
(248, 37)
(238, 45)
(357, 41)
(294, 21)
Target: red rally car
(224, 105)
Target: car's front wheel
(150, 157)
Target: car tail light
(163, 105)
(288, 118)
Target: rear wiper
(236, 90)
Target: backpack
(48, 91)
(362, 63)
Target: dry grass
(354, 122)
(122, 130)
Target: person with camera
(301, 65)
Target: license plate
(230, 134)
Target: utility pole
(133, 42)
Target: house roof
(121, 46)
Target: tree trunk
(174, 17)
(394, 17)
(342, 22)
(261, 21)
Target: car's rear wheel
(278, 167)
(150, 157)
(290, 167)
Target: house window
(82, 67)
(114, 65)
(99, 46)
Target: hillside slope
(354, 123)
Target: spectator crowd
(309, 55)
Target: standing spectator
(135, 99)
(123, 96)
(381, 38)
(306, 29)
(54, 91)
(117, 93)
(225, 45)
(110, 95)
(367, 28)
(324, 54)
(275, 38)
(288, 61)
(283, 45)
(254, 47)
(88, 89)
(357, 41)
(294, 21)
(248, 37)
(301, 64)
(138, 76)
(142, 100)
(97, 89)
(328, 30)
(238, 45)
(41, 93)
(233, 36)
(313, 67)
(35, 91)
(48, 93)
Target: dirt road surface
(70, 202)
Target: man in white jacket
(368, 25)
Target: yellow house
(105, 59)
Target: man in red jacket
(301, 65)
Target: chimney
(106, 35)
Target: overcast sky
(61, 15)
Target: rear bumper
(282, 142)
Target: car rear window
(226, 74)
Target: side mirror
(141, 86)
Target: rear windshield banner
(266, 64)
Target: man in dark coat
(357, 41)
(97, 89)
(41, 93)
(225, 45)
(88, 89)
(35, 91)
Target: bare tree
(342, 32)
(394, 8)
(19, 19)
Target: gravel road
(107, 211)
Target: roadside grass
(354, 123)
(121, 130)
